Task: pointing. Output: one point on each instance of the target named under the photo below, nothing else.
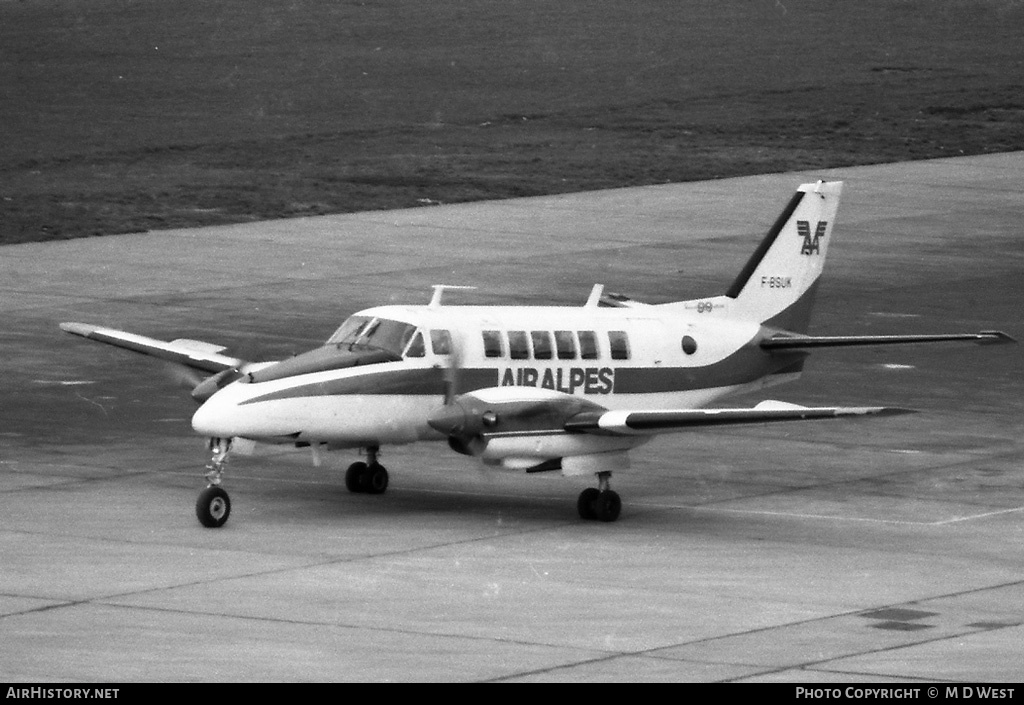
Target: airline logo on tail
(811, 242)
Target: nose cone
(214, 418)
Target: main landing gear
(601, 503)
(370, 477)
(213, 505)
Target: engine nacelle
(502, 424)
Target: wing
(528, 412)
(808, 342)
(195, 354)
(619, 423)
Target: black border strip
(762, 249)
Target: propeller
(463, 420)
(182, 376)
(459, 419)
(453, 371)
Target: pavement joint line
(276, 620)
(339, 625)
(651, 652)
(981, 516)
(865, 652)
(881, 675)
(897, 473)
(107, 600)
(826, 517)
(334, 560)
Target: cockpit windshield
(369, 331)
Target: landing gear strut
(601, 503)
(370, 477)
(213, 505)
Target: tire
(354, 477)
(608, 505)
(213, 507)
(376, 479)
(585, 504)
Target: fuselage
(386, 369)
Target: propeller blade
(184, 377)
(453, 371)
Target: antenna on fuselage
(439, 289)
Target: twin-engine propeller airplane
(532, 388)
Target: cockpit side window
(416, 347)
(381, 333)
(350, 330)
(441, 342)
(389, 335)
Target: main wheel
(354, 477)
(213, 507)
(375, 479)
(607, 505)
(585, 504)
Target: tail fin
(778, 283)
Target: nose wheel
(599, 503)
(213, 506)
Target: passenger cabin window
(441, 342)
(541, 344)
(618, 341)
(492, 343)
(416, 347)
(588, 345)
(518, 347)
(565, 344)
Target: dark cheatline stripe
(748, 364)
(418, 382)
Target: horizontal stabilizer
(663, 420)
(191, 353)
(807, 342)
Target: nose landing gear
(213, 505)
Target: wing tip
(995, 337)
(82, 329)
(893, 411)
